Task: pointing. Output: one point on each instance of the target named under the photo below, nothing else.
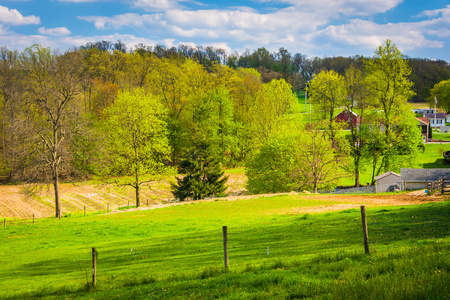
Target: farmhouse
(436, 119)
(416, 179)
(447, 118)
(349, 117)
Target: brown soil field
(20, 201)
(24, 201)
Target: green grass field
(441, 136)
(177, 252)
(432, 157)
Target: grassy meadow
(278, 249)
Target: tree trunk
(357, 170)
(56, 186)
(137, 188)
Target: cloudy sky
(421, 28)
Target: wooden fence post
(84, 210)
(33, 218)
(364, 225)
(147, 202)
(94, 267)
(4, 222)
(225, 246)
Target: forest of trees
(101, 109)
(296, 68)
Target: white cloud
(119, 21)
(157, 5)
(445, 12)
(14, 17)
(58, 31)
(368, 34)
(17, 41)
(345, 7)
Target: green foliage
(203, 175)
(275, 168)
(328, 91)
(388, 79)
(441, 92)
(404, 148)
(296, 160)
(136, 136)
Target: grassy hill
(280, 247)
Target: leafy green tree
(203, 175)
(406, 143)
(275, 168)
(137, 139)
(323, 161)
(212, 120)
(441, 92)
(388, 79)
(295, 160)
(273, 101)
(358, 100)
(328, 92)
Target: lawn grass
(177, 253)
(432, 157)
(417, 105)
(441, 136)
(235, 171)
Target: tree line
(383, 135)
(296, 68)
(136, 115)
(88, 111)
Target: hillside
(22, 201)
(280, 247)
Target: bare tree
(54, 81)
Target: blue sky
(311, 27)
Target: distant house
(423, 111)
(447, 118)
(347, 116)
(416, 179)
(424, 123)
(387, 182)
(436, 119)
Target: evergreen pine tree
(203, 175)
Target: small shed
(388, 182)
(416, 179)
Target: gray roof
(438, 115)
(386, 174)
(424, 174)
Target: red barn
(348, 116)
